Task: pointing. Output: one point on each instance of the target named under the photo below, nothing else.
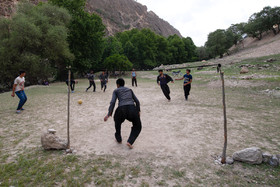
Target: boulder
(266, 157)
(251, 155)
(229, 160)
(50, 141)
(274, 161)
(244, 69)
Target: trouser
(92, 83)
(103, 84)
(22, 99)
(166, 91)
(72, 84)
(130, 113)
(187, 89)
(134, 80)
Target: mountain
(117, 15)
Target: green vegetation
(34, 39)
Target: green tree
(177, 50)
(117, 62)
(217, 43)
(34, 39)
(86, 35)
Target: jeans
(91, 83)
(130, 113)
(22, 99)
(187, 89)
(134, 80)
(103, 84)
(166, 91)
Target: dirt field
(178, 142)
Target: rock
(277, 88)
(51, 141)
(244, 69)
(229, 160)
(200, 68)
(251, 155)
(278, 156)
(274, 161)
(247, 77)
(266, 157)
(52, 131)
(130, 176)
(270, 60)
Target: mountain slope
(117, 15)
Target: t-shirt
(103, 78)
(91, 77)
(133, 74)
(164, 79)
(187, 78)
(20, 83)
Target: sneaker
(18, 111)
(86, 90)
(22, 109)
(72, 91)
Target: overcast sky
(197, 18)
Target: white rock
(251, 155)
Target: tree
(117, 62)
(177, 50)
(34, 39)
(86, 32)
(217, 43)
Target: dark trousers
(134, 80)
(130, 113)
(103, 85)
(92, 83)
(72, 84)
(187, 89)
(166, 91)
(22, 99)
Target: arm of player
(188, 82)
(111, 107)
(14, 87)
(136, 101)
(179, 79)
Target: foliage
(86, 32)
(34, 39)
(117, 62)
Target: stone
(52, 131)
(274, 161)
(244, 69)
(229, 160)
(251, 155)
(266, 157)
(200, 68)
(51, 141)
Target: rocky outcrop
(117, 15)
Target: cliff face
(117, 15)
(121, 15)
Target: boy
(103, 80)
(18, 88)
(133, 76)
(163, 80)
(187, 83)
(91, 81)
(126, 110)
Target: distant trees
(220, 41)
(34, 39)
(117, 62)
(145, 49)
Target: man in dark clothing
(187, 83)
(133, 77)
(103, 80)
(91, 81)
(72, 82)
(163, 80)
(126, 110)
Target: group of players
(128, 106)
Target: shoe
(22, 109)
(86, 90)
(72, 91)
(18, 111)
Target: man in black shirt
(126, 110)
(162, 81)
(103, 80)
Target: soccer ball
(80, 101)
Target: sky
(197, 18)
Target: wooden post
(68, 108)
(225, 120)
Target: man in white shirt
(18, 89)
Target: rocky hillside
(117, 15)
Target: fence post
(223, 161)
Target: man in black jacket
(163, 80)
(126, 110)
